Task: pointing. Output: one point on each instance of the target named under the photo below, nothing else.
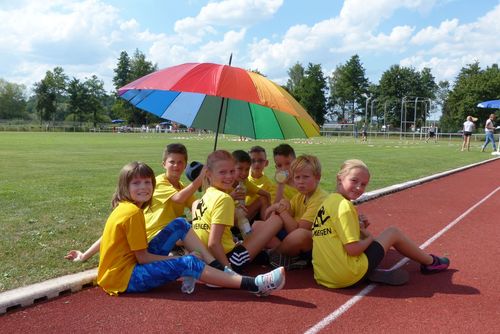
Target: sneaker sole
(390, 277)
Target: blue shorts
(152, 275)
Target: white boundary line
(351, 302)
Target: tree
(311, 92)
(95, 98)
(51, 95)
(12, 101)
(348, 89)
(122, 71)
(128, 70)
(415, 87)
(296, 74)
(472, 86)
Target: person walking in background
(489, 130)
(469, 127)
(432, 133)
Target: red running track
(464, 299)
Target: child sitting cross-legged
(292, 245)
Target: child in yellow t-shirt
(169, 201)
(294, 242)
(242, 187)
(259, 162)
(283, 156)
(344, 252)
(214, 214)
(129, 264)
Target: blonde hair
(128, 172)
(212, 159)
(304, 161)
(349, 165)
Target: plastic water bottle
(243, 223)
(281, 176)
(188, 284)
(241, 188)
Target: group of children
(294, 223)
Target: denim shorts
(151, 275)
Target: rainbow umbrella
(221, 98)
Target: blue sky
(86, 37)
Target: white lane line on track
(351, 302)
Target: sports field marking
(353, 300)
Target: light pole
(371, 112)
(401, 116)
(368, 98)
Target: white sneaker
(271, 281)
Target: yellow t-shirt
(162, 210)
(302, 209)
(124, 233)
(215, 207)
(336, 224)
(263, 183)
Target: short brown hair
(175, 148)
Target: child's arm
(215, 245)
(183, 195)
(264, 194)
(77, 256)
(357, 247)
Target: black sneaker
(288, 262)
(439, 264)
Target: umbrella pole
(220, 111)
(218, 123)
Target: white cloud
(450, 46)
(227, 13)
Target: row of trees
(345, 96)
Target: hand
(365, 233)
(238, 194)
(363, 221)
(283, 205)
(74, 255)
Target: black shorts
(238, 257)
(432, 134)
(467, 133)
(375, 254)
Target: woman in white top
(468, 129)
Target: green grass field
(55, 188)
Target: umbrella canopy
(118, 121)
(489, 104)
(197, 95)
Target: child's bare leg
(217, 277)
(265, 232)
(392, 236)
(193, 243)
(297, 241)
(257, 226)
